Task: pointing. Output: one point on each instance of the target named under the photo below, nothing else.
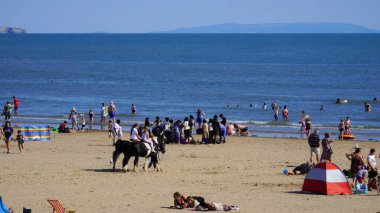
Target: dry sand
(74, 168)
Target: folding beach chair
(24, 210)
(3, 208)
(57, 206)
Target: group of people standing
(276, 109)
(361, 169)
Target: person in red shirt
(16, 104)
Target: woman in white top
(186, 128)
(135, 137)
(146, 138)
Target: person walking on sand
(117, 132)
(20, 140)
(110, 129)
(285, 114)
(7, 132)
(326, 148)
(16, 104)
(200, 116)
(112, 111)
(73, 116)
(314, 143)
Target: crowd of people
(213, 130)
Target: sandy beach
(247, 171)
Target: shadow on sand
(103, 170)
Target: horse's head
(161, 145)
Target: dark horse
(138, 149)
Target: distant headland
(11, 30)
(276, 28)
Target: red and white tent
(326, 178)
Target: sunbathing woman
(198, 203)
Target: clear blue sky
(136, 16)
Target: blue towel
(3, 208)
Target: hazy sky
(134, 16)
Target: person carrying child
(20, 140)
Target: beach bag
(182, 140)
(361, 188)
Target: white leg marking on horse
(146, 165)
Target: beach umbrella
(326, 178)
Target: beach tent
(326, 178)
(36, 133)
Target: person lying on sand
(196, 203)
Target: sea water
(172, 75)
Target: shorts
(199, 119)
(187, 133)
(109, 130)
(83, 126)
(16, 107)
(341, 130)
(8, 138)
(111, 114)
(20, 142)
(314, 150)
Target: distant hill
(11, 30)
(276, 28)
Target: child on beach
(110, 126)
(145, 136)
(83, 122)
(117, 132)
(20, 140)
